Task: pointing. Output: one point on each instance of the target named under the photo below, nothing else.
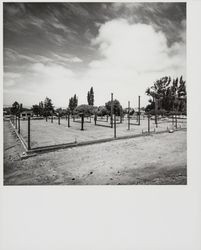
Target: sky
(61, 49)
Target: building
(25, 114)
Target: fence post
(68, 120)
(16, 122)
(52, 119)
(59, 119)
(176, 121)
(138, 110)
(82, 121)
(46, 117)
(95, 119)
(19, 124)
(29, 144)
(156, 109)
(115, 127)
(128, 115)
(111, 117)
(148, 123)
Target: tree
(15, 109)
(90, 97)
(102, 110)
(41, 108)
(84, 109)
(169, 96)
(36, 109)
(117, 108)
(73, 102)
(48, 106)
(61, 111)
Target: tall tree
(90, 96)
(73, 102)
(48, 106)
(41, 108)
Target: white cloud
(133, 57)
(10, 78)
(66, 58)
(136, 46)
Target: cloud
(14, 56)
(135, 46)
(132, 57)
(10, 78)
(66, 58)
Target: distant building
(26, 114)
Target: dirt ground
(156, 159)
(46, 133)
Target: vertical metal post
(112, 110)
(16, 122)
(148, 123)
(115, 127)
(59, 119)
(82, 121)
(138, 110)
(29, 144)
(19, 124)
(128, 115)
(156, 109)
(68, 120)
(95, 119)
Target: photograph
(94, 93)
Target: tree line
(166, 95)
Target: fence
(37, 134)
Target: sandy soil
(157, 159)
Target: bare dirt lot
(46, 133)
(155, 159)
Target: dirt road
(157, 159)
